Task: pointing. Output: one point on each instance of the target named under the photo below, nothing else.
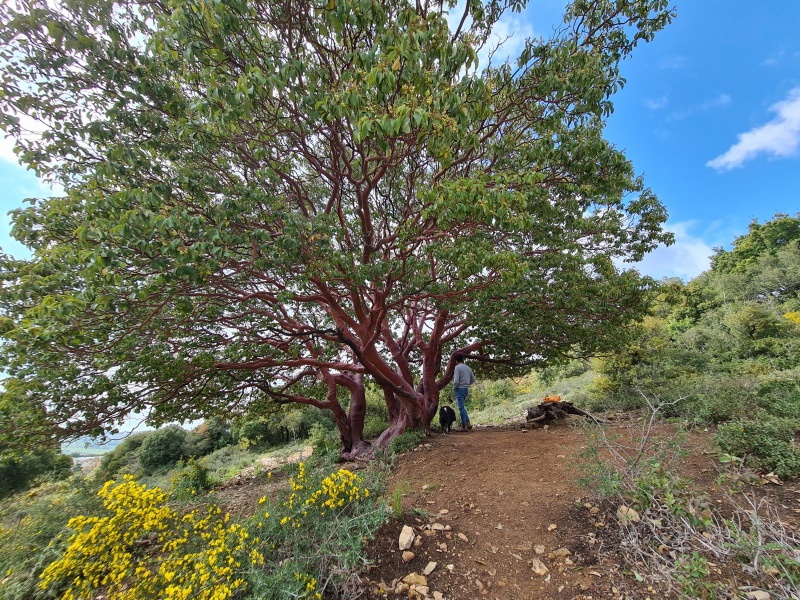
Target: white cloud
(780, 137)
(686, 258)
(672, 63)
(656, 103)
(506, 41)
(703, 107)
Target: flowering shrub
(144, 549)
(315, 535)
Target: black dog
(447, 416)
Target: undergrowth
(671, 534)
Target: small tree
(280, 201)
(162, 448)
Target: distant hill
(87, 446)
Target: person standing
(462, 379)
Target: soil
(490, 505)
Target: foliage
(123, 459)
(21, 470)
(314, 535)
(30, 525)
(144, 549)
(191, 479)
(278, 427)
(210, 435)
(281, 218)
(758, 241)
(766, 444)
(406, 442)
(692, 575)
(162, 448)
(324, 441)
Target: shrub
(325, 443)
(162, 448)
(192, 479)
(143, 549)
(123, 458)
(766, 444)
(407, 441)
(30, 528)
(21, 471)
(374, 425)
(315, 534)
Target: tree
(282, 201)
(758, 241)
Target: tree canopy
(272, 201)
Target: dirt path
(508, 503)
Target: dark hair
(459, 358)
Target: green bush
(162, 448)
(123, 458)
(490, 393)
(289, 424)
(207, 437)
(407, 441)
(30, 525)
(766, 444)
(21, 471)
(191, 480)
(374, 425)
(314, 534)
(325, 442)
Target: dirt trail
(511, 494)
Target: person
(462, 379)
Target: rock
(462, 537)
(758, 595)
(444, 511)
(408, 556)
(438, 596)
(450, 568)
(406, 537)
(415, 579)
(420, 590)
(443, 547)
(417, 542)
(594, 510)
(625, 515)
(429, 568)
(552, 527)
(560, 553)
(437, 527)
(539, 549)
(539, 567)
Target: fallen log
(551, 411)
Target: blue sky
(710, 116)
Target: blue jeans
(461, 396)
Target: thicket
(726, 348)
(128, 539)
(21, 470)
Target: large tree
(276, 201)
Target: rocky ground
(496, 513)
